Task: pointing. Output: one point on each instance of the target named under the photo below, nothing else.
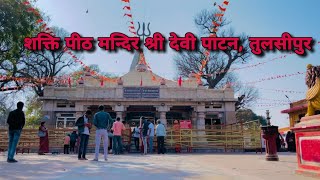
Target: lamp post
(270, 133)
(268, 117)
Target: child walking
(66, 144)
(73, 140)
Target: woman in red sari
(44, 141)
(176, 133)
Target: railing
(229, 137)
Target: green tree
(16, 23)
(247, 115)
(33, 112)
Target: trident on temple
(143, 33)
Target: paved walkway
(245, 166)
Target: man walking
(117, 128)
(151, 136)
(16, 121)
(84, 127)
(103, 121)
(160, 133)
(136, 136)
(145, 134)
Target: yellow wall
(294, 116)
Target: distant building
(140, 92)
(296, 111)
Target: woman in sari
(176, 138)
(44, 141)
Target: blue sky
(255, 18)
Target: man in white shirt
(160, 133)
(151, 136)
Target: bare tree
(39, 65)
(215, 73)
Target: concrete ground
(244, 166)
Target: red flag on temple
(180, 81)
(101, 83)
(129, 15)
(69, 81)
(141, 81)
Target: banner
(185, 124)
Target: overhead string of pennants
(213, 33)
(128, 14)
(127, 8)
(283, 91)
(45, 28)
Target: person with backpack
(16, 121)
(145, 135)
(73, 140)
(103, 121)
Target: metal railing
(240, 136)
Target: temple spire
(135, 61)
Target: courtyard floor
(245, 166)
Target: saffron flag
(129, 15)
(69, 81)
(222, 9)
(127, 1)
(39, 21)
(127, 7)
(180, 81)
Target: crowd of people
(106, 129)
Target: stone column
(194, 120)
(163, 109)
(201, 121)
(163, 118)
(201, 126)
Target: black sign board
(140, 92)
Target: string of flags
(275, 100)
(47, 29)
(214, 30)
(276, 77)
(283, 91)
(128, 13)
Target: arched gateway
(141, 93)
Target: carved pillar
(163, 118)
(201, 120)
(194, 119)
(163, 109)
(201, 125)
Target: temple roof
(140, 74)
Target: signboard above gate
(141, 92)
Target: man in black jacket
(16, 121)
